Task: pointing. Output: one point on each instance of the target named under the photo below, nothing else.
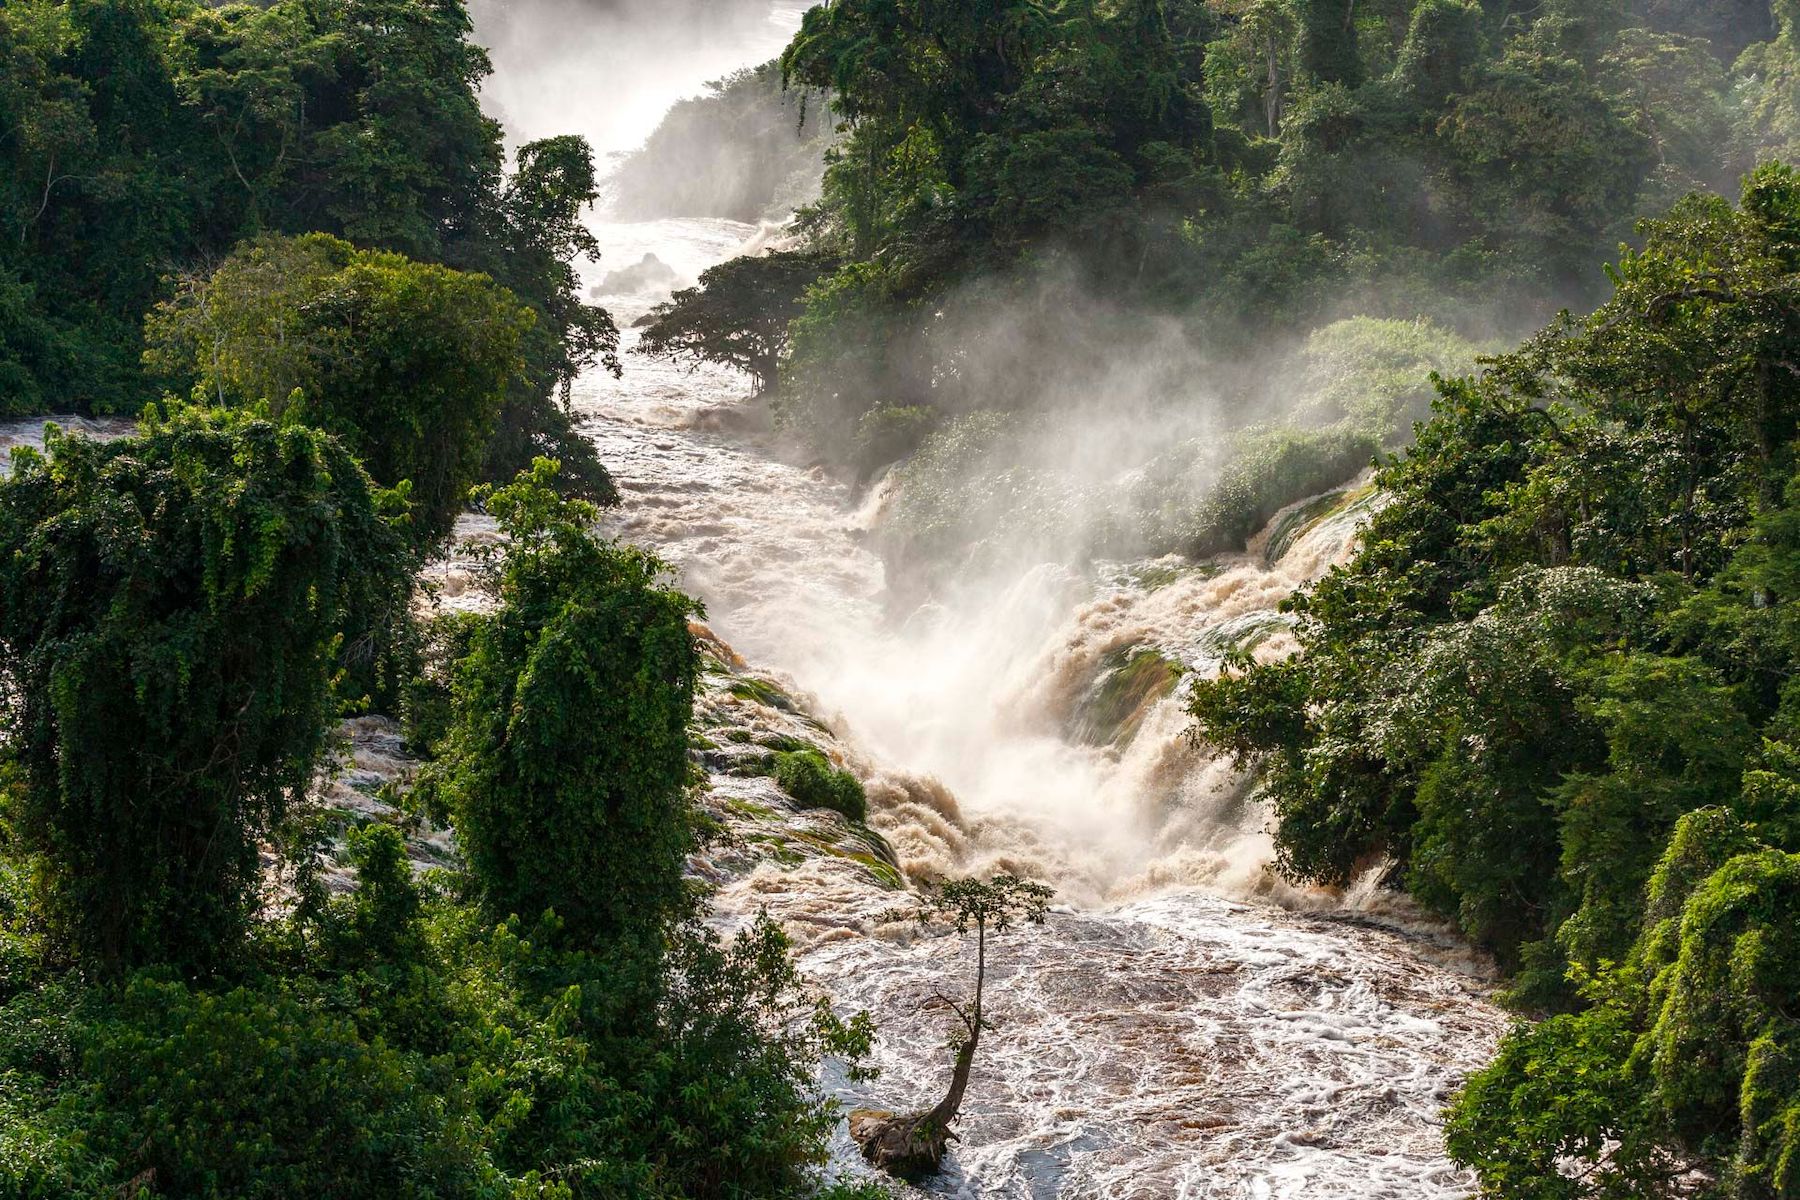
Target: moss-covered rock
(760, 691)
(1132, 680)
(813, 782)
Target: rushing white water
(1185, 1025)
(28, 432)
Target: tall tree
(738, 316)
(408, 362)
(172, 615)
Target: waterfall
(1187, 1024)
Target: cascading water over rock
(1187, 1024)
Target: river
(1185, 1025)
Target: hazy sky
(609, 69)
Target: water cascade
(1186, 1025)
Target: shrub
(891, 432)
(1272, 468)
(262, 1092)
(813, 782)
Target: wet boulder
(909, 1145)
(649, 274)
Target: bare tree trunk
(948, 1108)
(1272, 97)
(914, 1144)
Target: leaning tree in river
(914, 1143)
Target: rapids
(1185, 1025)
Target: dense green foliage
(567, 767)
(552, 1021)
(173, 611)
(813, 782)
(1553, 696)
(738, 316)
(408, 363)
(1240, 170)
(141, 140)
(747, 149)
(1554, 690)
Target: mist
(610, 69)
(1109, 503)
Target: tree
(543, 201)
(915, 1143)
(567, 778)
(1768, 78)
(1442, 43)
(566, 769)
(1554, 686)
(408, 362)
(542, 238)
(738, 316)
(141, 141)
(1541, 156)
(1328, 50)
(245, 81)
(403, 157)
(1250, 70)
(172, 616)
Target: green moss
(1296, 521)
(784, 744)
(1158, 573)
(779, 848)
(1131, 681)
(1241, 635)
(749, 808)
(762, 692)
(884, 871)
(813, 782)
(884, 874)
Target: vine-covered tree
(408, 362)
(567, 769)
(914, 1143)
(173, 611)
(738, 316)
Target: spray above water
(610, 69)
(1170, 1033)
(1045, 697)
